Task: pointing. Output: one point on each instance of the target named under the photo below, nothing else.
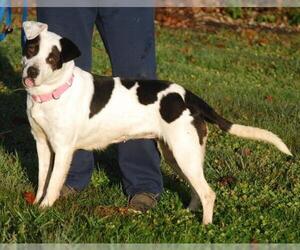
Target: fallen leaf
(221, 45)
(246, 152)
(250, 34)
(29, 197)
(269, 98)
(263, 41)
(186, 50)
(227, 180)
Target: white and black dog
(70, 109)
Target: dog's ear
(33, 29)
(69, 51)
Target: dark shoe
(143, 201)
(67, 191)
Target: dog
(70, 109)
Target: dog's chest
(53, 118)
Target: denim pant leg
(76, 24)
(128, 36)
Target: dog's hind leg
(170, 160)
(63, 157)
(185, 143)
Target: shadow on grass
(107, 161)
(14, 127)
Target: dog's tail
(198, 107)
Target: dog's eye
(31, 50)
(54, 59)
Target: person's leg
(76, 24)
(128, 35)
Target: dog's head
(45, 54)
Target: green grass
(257, 192)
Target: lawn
(252, 80)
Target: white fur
(259, 134)
(33, 29)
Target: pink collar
(54, 95)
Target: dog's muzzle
(32, 74)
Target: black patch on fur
(147, 89)
(128, 83)
(31, 47)
(171, 107)
(54, 59)
(198, 107)
(201, 128)
(102, 93)
(69, 51)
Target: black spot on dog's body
(54, 59)
(31, 47)
(147, 90)
(171, 107)
(198, 107)
(103, 88)
(69, 51)
(128, 83)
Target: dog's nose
(32, 72)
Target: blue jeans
(128, 36)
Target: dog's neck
(54, 82)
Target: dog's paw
(44, 205)
(46, 202)
(36, 201)
(207, 221)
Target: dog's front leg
(63, 157)
(44, 156)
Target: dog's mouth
(28, 82)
